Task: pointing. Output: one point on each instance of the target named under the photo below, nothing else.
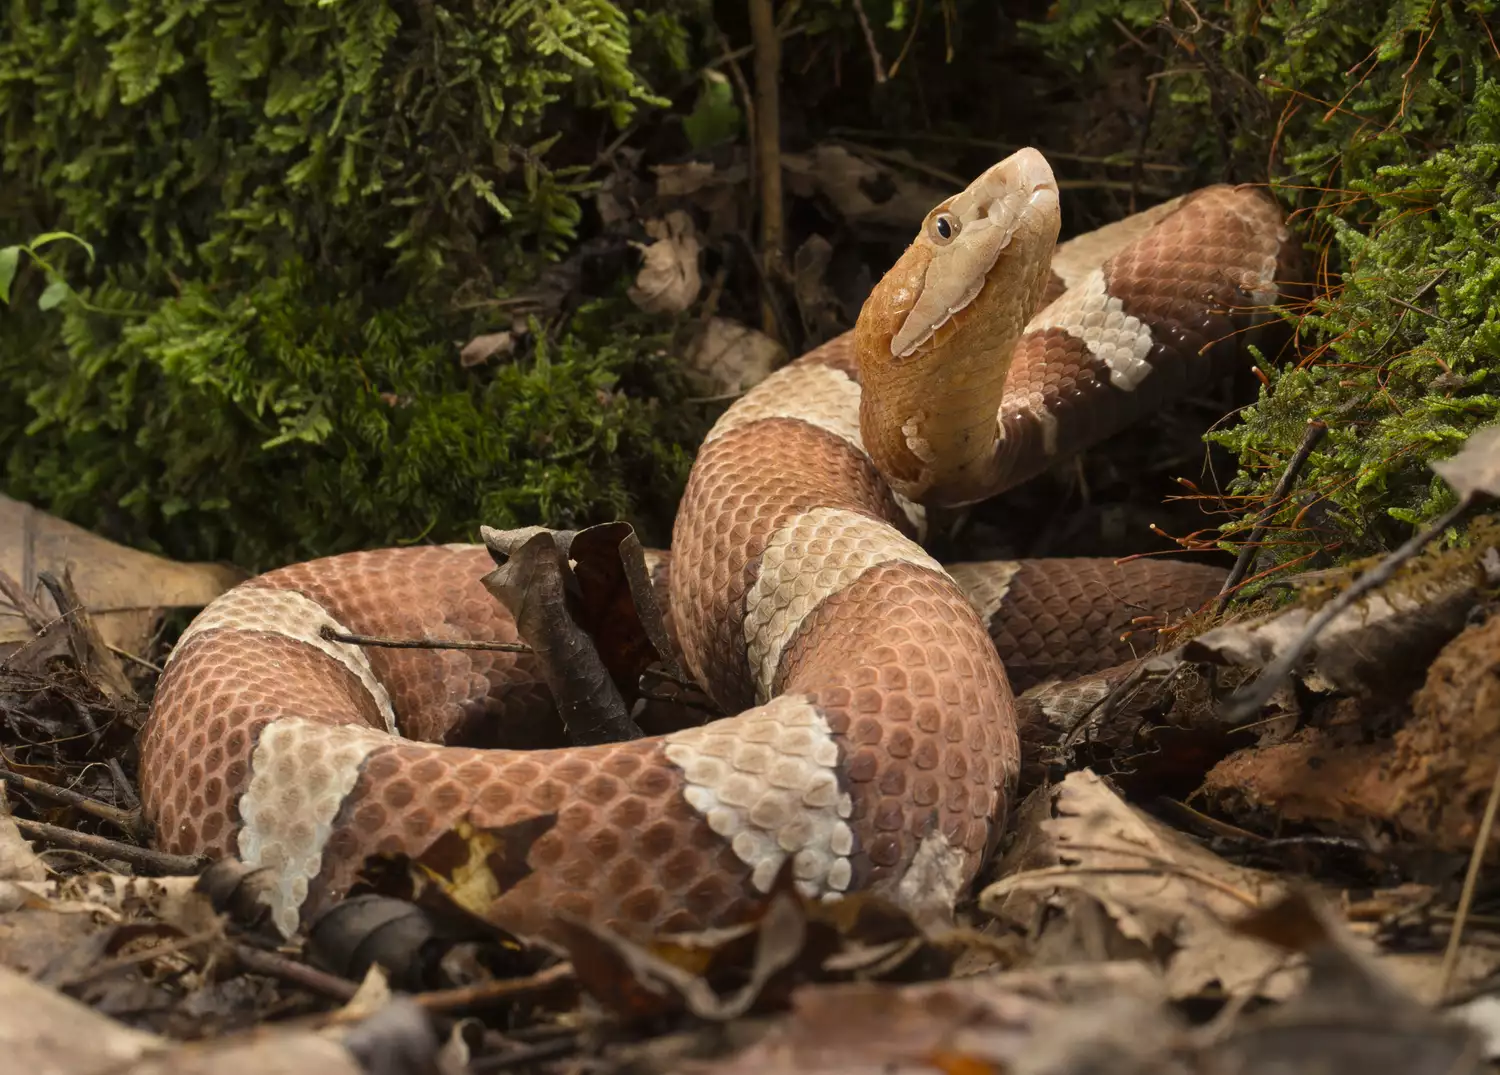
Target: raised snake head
(936, 335)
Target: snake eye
(944, 227)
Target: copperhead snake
(875, 741)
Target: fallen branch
(159, 862)
(1247, 702)
(127, 821)
(498, 991)
(275, 965)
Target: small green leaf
(715, 118)
(56, 291)
(10, 258)
(52, 236)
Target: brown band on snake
(879, 748)
(1179, 300)
(1065, 618)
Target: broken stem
(420, 643)
(140, 857)
(1248, 701)
(1316, 430)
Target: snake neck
(936, 336)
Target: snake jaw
(985, 218)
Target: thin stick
(127, 821)
(124, 654)
(275, 965)
(140, 857)
(768, 150)
(499, 991)
(1471, 882)
(1316, 430)
(1248, 701)
(420, 643)
(864, 24)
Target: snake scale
(874, 739)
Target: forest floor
(1199, 877)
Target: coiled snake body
(875, 742)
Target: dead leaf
(728, 358)
(43, 1032)
(860, 190)
(124, 897)
(619, 607)
(612, 208)
(638, 981)
(1082, 851)
(374, 993)
(18, 862)
(1347, 1016)
(1021, 1023)
(669, 280)
(817, 303)
(91, 654)
(1475, 468)
(426, 908)
(481, 349)
(725, 973)
(533, 582)
(689, 177)
(124, 589)
(362, 932)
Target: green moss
(1402, 360)
(305, 207)
(1376, 125)
(280, 423)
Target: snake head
(990, 233)
(935, 336)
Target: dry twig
(129, 822)
(275, 965)
(1247, 702)
(421, 643)
(142, 858)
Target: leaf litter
(1183, 889)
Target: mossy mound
(1377, 125)
(301, 212)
